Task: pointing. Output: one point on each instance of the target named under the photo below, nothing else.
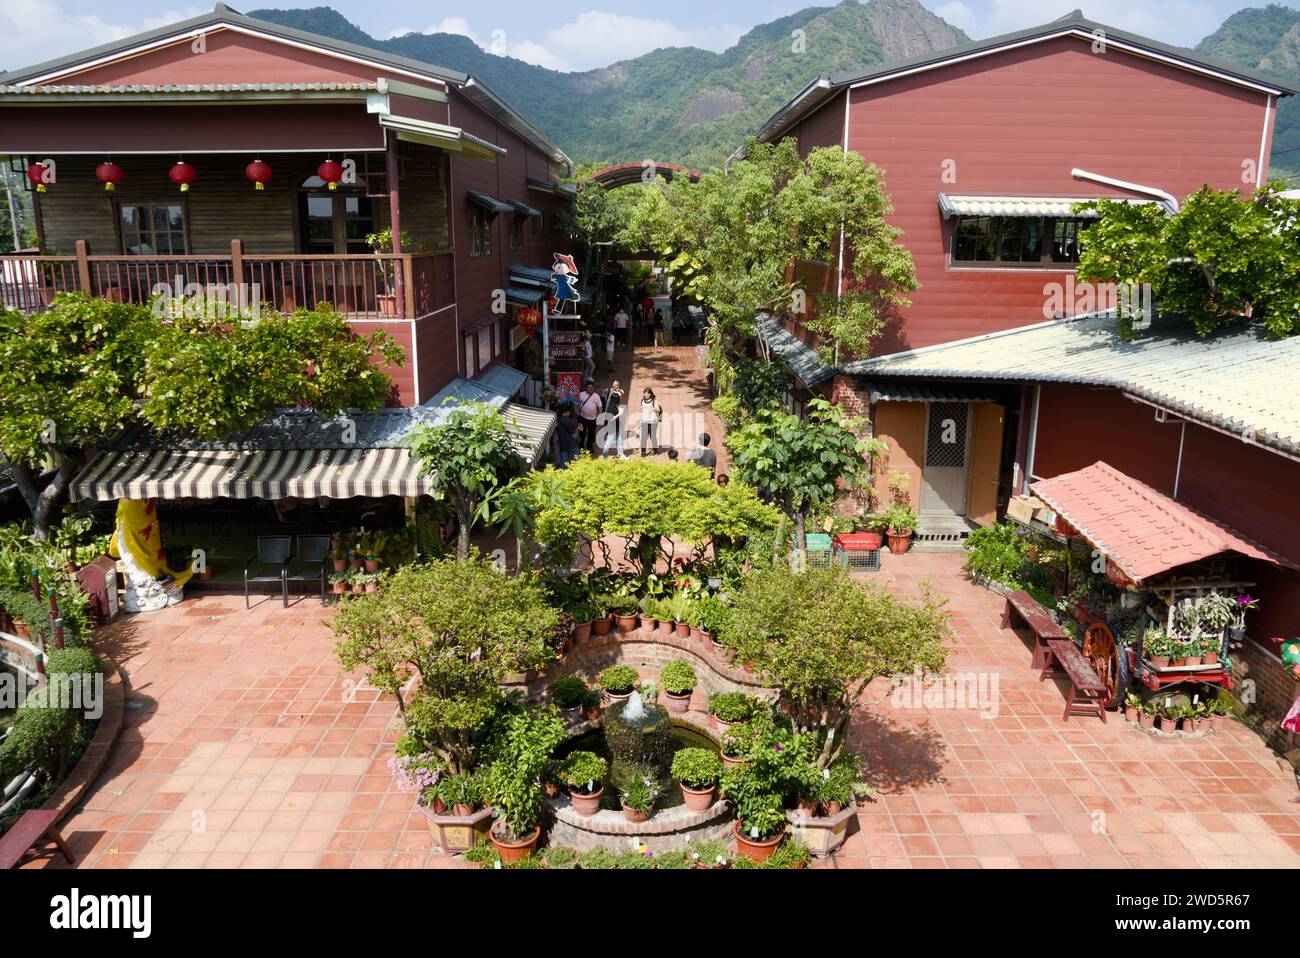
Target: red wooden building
(354, 141)
(978, 386)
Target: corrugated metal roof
(489, 203)
(951, 205)
(1239, 380)
(803, 360)
(77, 89)
(1141, 530)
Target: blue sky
(574, 36)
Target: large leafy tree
(733, 236)
(1219, 261)
(821, 637)
(442, 637)
(468, 454)
(85, 367)
(801, 463)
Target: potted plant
(791, 854)
(462, 795)
(736, 744)
(900, 523)
(638, 798)
(339, 556)
(365, 581)
(1214, 615)
(339, 581)
(591, 705)
(760, 824)
(1187, 651)
(1159, 647)
(375, 547)
(381, 243)
(728, 708)
(1147, 714)
(624, 609)
(567, 693)
(650, 607)
(583, 773)
(580, 611)
(600, 620)
(697, 771)
(1242, 604)
(710, 854)
(618, 681)
(679, 604)
(712, 614)
(1216, 713)
(1132, 707)
(481, 855)
(513, 780)
(1211, 645)
(678, 680)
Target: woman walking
(651, 414)
(659, 327)
(612, 420)
(589, 407)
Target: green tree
(86, 367)
(469, 454)
(458, 628)
(733, 236)
(1218, 261)
(801, 463)
(821, 637)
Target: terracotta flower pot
(648, 624)
(1192, 660)
(699, 800)
(372, 565)
(732, 760)
(753, 848)
(372, 586)
(717, 723)
(572, 716)
(586, 804)
(682, 630)
(1209, 658)
(1160, 661)
(438, 806)
(1146, 721)
(340, 565)
(666, 627)
(600, 626)
(899, 543)
(626, 623)
(1191, 726)
(617, 698)
(463, 811)
(515, 851)
(633, 816)
(582, 632)
(705, 638)
(677, 704)
(338, 588)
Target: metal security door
(943, 473)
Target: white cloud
(1181, 22)
(590, 40)
(32, 33)
(959, 15)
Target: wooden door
(985, 462)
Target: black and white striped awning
(250, 474)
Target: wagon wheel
(1103, 653)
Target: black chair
(312, 555)
(271, 551)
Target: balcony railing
(361, 286)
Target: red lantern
(37, 173)
(331, 173)
(110, 174)
(183, 174)
(528, 318)
(259, 173)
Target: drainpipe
(1166, 199)
(1033, 437)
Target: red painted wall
(1242, 485)
(1016, 122)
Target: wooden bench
(1021, 605)
(1086, 689)
(27, 831)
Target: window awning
(489, 203)
(440, 135)
(952, 205)
(250, 474)
(523, 209)
(524, 297)
(547, 186)
(530, 276)
(1142, 531)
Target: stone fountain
(639, 738)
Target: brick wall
(1259, 670)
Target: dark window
(516, 233)
(1027, 240)
(480, 234)
(157, 230)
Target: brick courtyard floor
(244, 746)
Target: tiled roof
(1238, 380)
(803, 360)
(1141, 530)
(902, 390)
(78, 89)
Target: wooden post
(83, 266)
(408, 272)
(237, 262)
(395, 222)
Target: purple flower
(777, 746)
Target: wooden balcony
(369, 287)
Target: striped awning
(250, 474)
(1061, 206)
(530, 429)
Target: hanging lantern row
(182, 174)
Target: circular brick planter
(665, 830)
